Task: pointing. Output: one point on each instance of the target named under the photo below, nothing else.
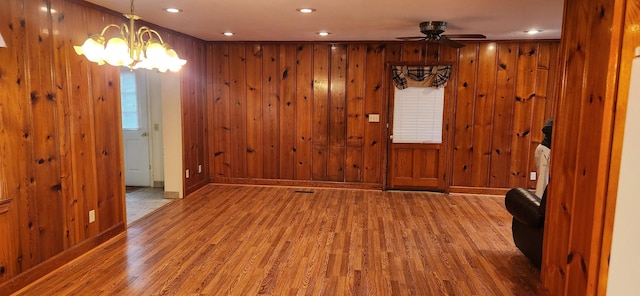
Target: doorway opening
(143, 146)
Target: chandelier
(136, 49)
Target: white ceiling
(347, 20)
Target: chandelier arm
(157, 34)
(109, 26)
(150, 32)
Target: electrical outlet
(92, 216)
(532, 176)
(186, 174)
(199, 168)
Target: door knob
(390, 137)
(144, 134)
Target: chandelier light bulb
(116, 53)
(93, 49)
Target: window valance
(422, 76)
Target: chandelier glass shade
(137, 49)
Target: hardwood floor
(251, 240)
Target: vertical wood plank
(374, 133)
(449, 54)
(502, 115)
(524, 96)
(321, 107)
(337, 112)
(483, 115)
(203, 115)
(46, 178)
(254, 150)
(304, 112)
(463, 132)
(24, 149)
(356, 118)
(393, 53)
(413, 52)
(190, 144)
(288, 104)
(199, 113)
(238, 110)
(108, 144)
(65, 93)
(540, 103)
(83, 139)
(221, 118)
(270, 111)
(14, 149)
(432, 53)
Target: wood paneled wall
(504, 95)
(598, 42)
(283, 111)
(295, 112)
(61, 149)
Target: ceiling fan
(433, 33)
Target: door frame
(448, 121)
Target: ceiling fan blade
(464, 36)
(411, 38)
(448, 42)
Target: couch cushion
(524, 206)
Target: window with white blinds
(417, 115)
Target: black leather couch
(528, 212)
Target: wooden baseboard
(478, 190)
(171, 194)
(299, 183)
(33, 274)
(194, 187)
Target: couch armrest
(524, 206)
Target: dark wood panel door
(417, 163)
(416, 166)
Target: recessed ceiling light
(533, 31)
(323, 33)
(228, 33)
(172, 10)
(306, 10)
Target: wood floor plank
(253, 240)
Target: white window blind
(417, 115)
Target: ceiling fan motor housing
(433, 28)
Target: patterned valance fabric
(424, 76)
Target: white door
(135, 127)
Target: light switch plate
(374, 117)
(532, 176)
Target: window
(129, 100)
(417, 115)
